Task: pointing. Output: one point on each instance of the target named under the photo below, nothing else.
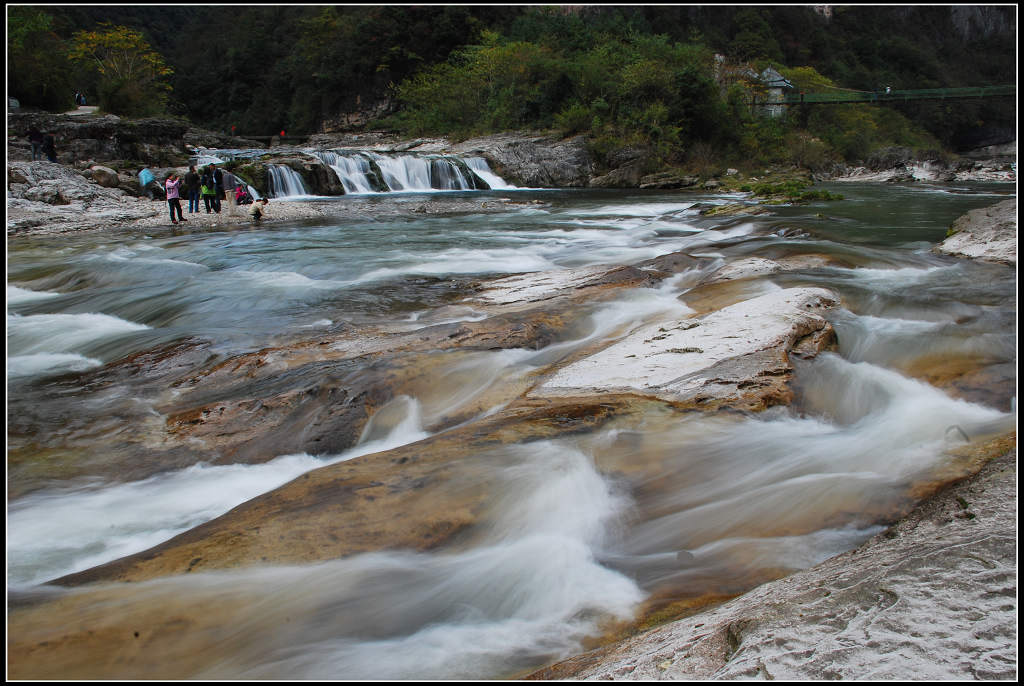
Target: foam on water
(40, 364)
(636, 209)
(462, 261)
(895, 341)
(60, 531)
(62, 333)
(19, 296)
(532, 588)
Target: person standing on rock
(173, 187)
(192, 189)
(218, 184)
(50, 146)
(35, 137)
(208, 189)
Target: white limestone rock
(725, 355)
(988, 234)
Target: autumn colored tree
(132, 79)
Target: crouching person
(258, 209)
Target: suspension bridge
(848, 96)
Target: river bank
(93, 185)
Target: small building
(775, 85)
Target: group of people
(208, 185)
(80, 99)
(42, 144)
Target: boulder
(105, 176)
(534, 160)
(624, 177)
(988, 234)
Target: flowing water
(585, 529)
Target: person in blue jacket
(146, 180)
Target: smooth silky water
(587, 529)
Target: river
(586, 528)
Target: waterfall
(405, 172)
(370, 172)
(284, 182)
(354, 171)
(483, 170)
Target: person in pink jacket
(173, 186)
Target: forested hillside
(668, 78)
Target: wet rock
(737, 357)
(987, 234)
(734, 209)
(533, 160)
(622, 177)
(529, 290)
(668, 180)
(931, 597)
(411, 497)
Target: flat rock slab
(717, 359)
(536, 288)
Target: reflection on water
(580, 530)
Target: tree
(38, 71)
(132, 78)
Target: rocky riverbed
(934, 594)
(933, 597)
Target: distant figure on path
(192, 189)
(35, 137)
(173, 186)
(78, 99)
(258, 209)
(50, 146)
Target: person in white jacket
(258, 209)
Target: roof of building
(773, 79)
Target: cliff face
(973, 22)
(105, 138)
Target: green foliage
(622, 75)
(754, 38)
(626, 90)
(38, 69)
(132, 78)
